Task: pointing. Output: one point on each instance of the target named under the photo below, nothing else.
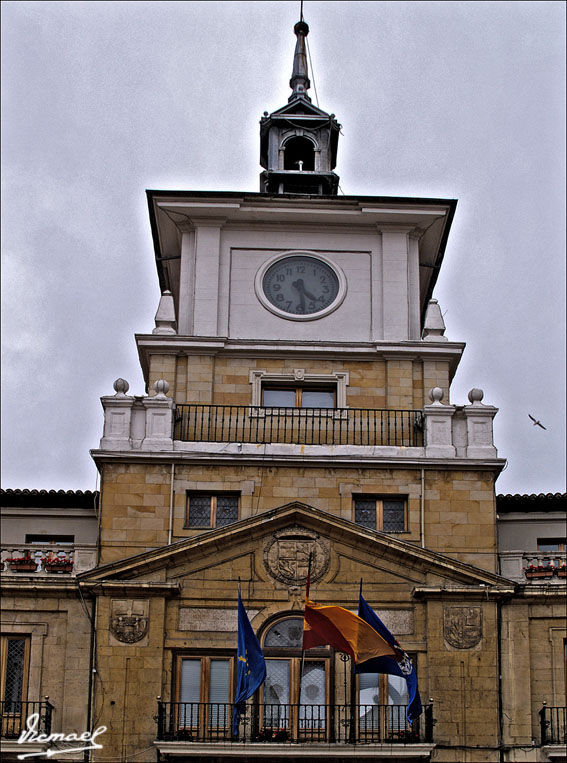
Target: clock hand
(309, 295)
(301, 289)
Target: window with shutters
(386, 514)
(207, 510)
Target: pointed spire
(299, 81)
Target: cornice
(303, 455)
(129, 587)
(468, 593)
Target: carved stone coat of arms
(286, 556)
(129, 620)
(462, 626)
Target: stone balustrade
(47, 559)
(534, 566)
(146, 423)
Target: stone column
(480, 439)
(438, 427)
(159, 419)
(117, 416)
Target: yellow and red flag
(345, 631)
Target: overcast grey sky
(101, 100)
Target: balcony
(190, 726)
(13, 716)
(553, 722)
(304, 426)
(46, 560)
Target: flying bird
(536, 422)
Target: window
(382, 703)
(551, 545)
(298, 397)
(204, 691)
(285, 686)
(385, 514)
(14, 663)
(206, 510)
(299, 389)
(50, 539)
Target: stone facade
(204, 485)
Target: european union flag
(390, 665)
(251, 665)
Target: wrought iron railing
(339, 724)
(553, 724)
(14, 715)
(302, 426)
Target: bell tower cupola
(298, 143)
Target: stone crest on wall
(286, 555)
(462, 626)
(129, 620)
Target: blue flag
(389, 665)
(251, 666)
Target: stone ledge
(312, 750)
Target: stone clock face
(300, 285)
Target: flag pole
(307, 586)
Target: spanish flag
(345, 631)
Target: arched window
(285, 687)
(299, 155)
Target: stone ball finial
(121, 387)
(436, 395)
(161, 387)
(475, 396)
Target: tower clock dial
(300, 286)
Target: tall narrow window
(382, 704)
(204, 693)
(14, 661)
(293, 702)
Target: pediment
(299, 108)
(274, 547)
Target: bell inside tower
(299, 154)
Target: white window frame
(259, 378)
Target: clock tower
(297, 404)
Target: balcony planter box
(539, 574)
(562, 572)
(58, 567)
(25, 565)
